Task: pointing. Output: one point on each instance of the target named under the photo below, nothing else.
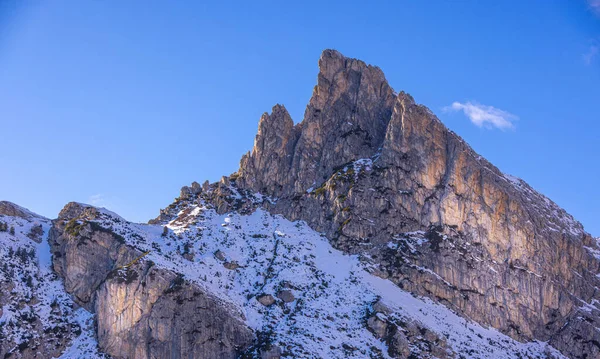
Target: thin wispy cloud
(484, 116)
(594, 6)
(98, 200)
(593, 52)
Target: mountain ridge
(368, 229)
(353, 173)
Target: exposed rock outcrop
(84, 253)
(375, 173)
(404, 338)
(145, 312)
(141, 311)
(13, 210)
(38, 319)
(266, 299)
(286, 295)
(370, 168)
(345, 119)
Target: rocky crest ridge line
(366, 166)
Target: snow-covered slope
(37, 317)
(315, 301)
(303, 298)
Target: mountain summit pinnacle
(367, 230)
(345, 120)
(367, 164)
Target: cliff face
(148, 312)
(38, 319)
(384, 178)
(302, 297)
(141, 311)
(257, 265)
(345, 119)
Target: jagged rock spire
(345, 120)
(366, 165)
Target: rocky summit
(367, 230)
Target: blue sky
(120, 103)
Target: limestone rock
(14, 210)
(273, 353)
(383, 178)
(346, 117)
(370, 168)
(141, 311)
(220, 255)
(406, 339)
(286, 295)
(148, 312)
(38, 318)
(266, 299)
(378, 325)
(231, 265)
(84, 257)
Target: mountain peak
(345, 120)
(14, 210)
(330, 63)
(333, 62)
(369, 203)
(367, 164)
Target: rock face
(372, 173)
(383, 177)
(148, 312)
(84, 254)
(37, 317)
(402, 337)
(266, 300)
(12, 210)
(141, 311)
(286, 295)
(345, 119)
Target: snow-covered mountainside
(38, 319)
(300, 297)
(368, 164)
(367, 230)
(303, 298)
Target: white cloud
(589, 57)
(485, 116)
(99, 200)
(595, 6)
